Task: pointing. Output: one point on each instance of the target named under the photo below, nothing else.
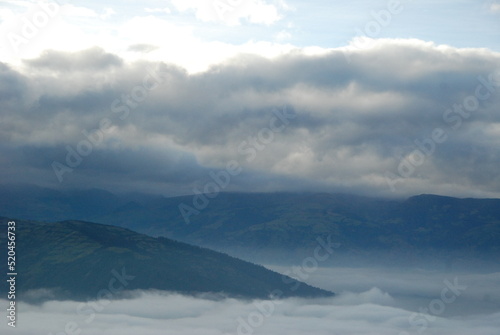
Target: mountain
(258, 222)
(79, 259)
(294, 221)
(43, 204)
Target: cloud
(495, 7)
(372, 296)
(412, 288)
(283, 35)
(351, 125)
(232, 12)
(94, 59)
(77, 11)
(142, 48)
(165, 10)
(374, 311)
(71, 28)
(108, 12)
(6, 14)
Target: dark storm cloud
(12, 86)
(116, 168)
(355, 122)
(93, 59)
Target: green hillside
(78, 259)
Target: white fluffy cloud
(72, 28)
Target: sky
(382, 98)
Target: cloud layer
(392, 117)
(357, 311)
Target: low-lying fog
(369, 301)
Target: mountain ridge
(291, 221)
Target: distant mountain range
(284, 221)
(82, 260)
